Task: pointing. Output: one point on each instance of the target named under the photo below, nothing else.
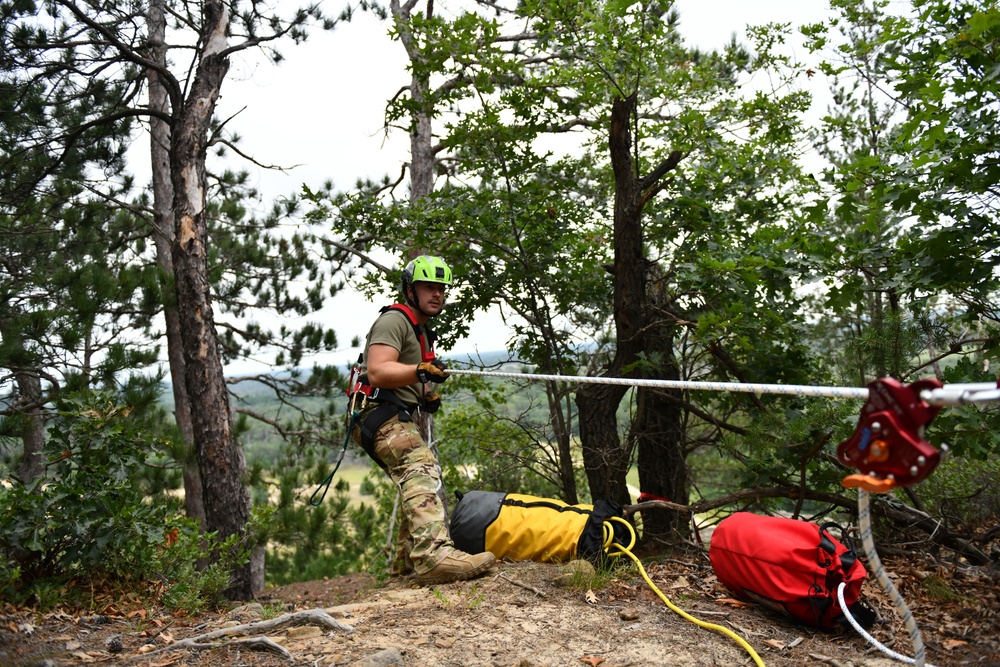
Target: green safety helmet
(428, 269)
(424, 269)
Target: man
(395, 390)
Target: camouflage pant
(411, 465)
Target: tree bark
(657, 432)
(222, 463)
(605, 458)
(163, 221)
(28, 404)
(658, 425)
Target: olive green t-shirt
(394, 329)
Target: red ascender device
(888, 447)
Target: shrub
(85, 514)
(88, 517)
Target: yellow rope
(615, 550)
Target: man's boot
(458, 566)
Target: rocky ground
(519, 615)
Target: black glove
(432, 402)
(431, 371)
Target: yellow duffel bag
(522, 527)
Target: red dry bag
(793, 567)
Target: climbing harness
(388, 404)
(360, 393)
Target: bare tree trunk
(421, 135)
(227, 500)
(421, 148)
(605, 457)
(27, 406)
(656, 431)
(163, 220)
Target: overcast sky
(322, 109)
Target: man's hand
(432, 402)
(431, 371)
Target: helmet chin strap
(414, 301)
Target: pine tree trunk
(163, 219)
(222, 463)
(421, 135)
(28, 403)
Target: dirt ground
(518, 615)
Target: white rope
(865, 521)
(955, 394)
(744, 387)
(871, 640)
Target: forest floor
(518, 615)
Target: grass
(354, 475)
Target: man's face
(430, 296)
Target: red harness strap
(426, 338)
(423, 334)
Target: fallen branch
(252, 643)
(524, 586)
(305, 617)
(901, 514)
(744, 494)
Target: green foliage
(495, 437)
(965, 490)
(970, 431)
(911, 290)
(944, 71)
(190, 586)
(89, 517)
(937, 589)
(104, 524)
(311, 542)
(791, 446)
